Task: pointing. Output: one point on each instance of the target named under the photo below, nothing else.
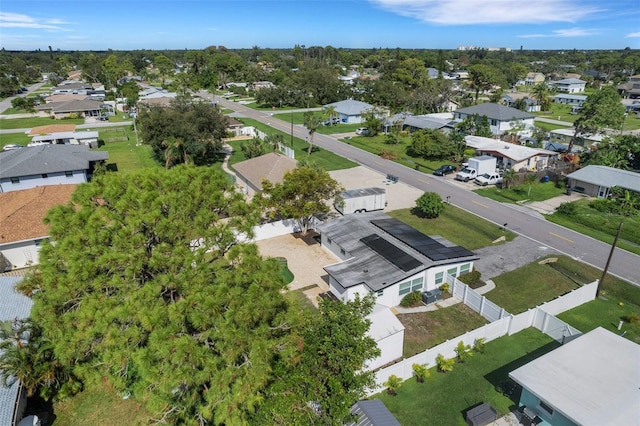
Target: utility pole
(606, 267)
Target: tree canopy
(304, 193)
(184, 132)
(148, 288)
(602, 109)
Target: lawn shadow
(499, 377)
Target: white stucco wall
(28, 182)
(21, 253)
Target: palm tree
(392, 384)
(274, 141)
(330, 112)
(174, 150)
(311, 122)
(541, 92)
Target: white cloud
(632, 35)
(465, 12)
(16, 20)
(569, 32)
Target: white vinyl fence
(541, 317)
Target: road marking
(423, 181)
(480, 204)
(561, 237)
(379, 163)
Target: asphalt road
(623, 264)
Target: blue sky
(430, 24)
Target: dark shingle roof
(372, 413)
(76, 106)
(495, 112)
(47, 159)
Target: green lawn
(100, 405)
(533, 284)
(560, 112)
(11, 138)
(424, 330)
(534, 192)
(444, 397)
(124, 155)
(298, 118)
(27, 123)
(547, 127)
(457, 226)
(601, 226)
(323, 158)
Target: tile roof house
(500, 117)
(569, 85)
(511, 156)
(350, 111)
(597, 181)
(534, 78)
(591, 380)
(272, 167)
(21, 226)
(47, 165)
(388, 258)
(13, 305)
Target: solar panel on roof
(415, 239)
(390, 252)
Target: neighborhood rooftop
(385, 251)
(495, 111)
(592, 380)
(47, 159)
(608, 176)
(515, 152)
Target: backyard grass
(535, 192)
(424, 330)
(561, 112)
(327, 160)
(444, 398)
(547, 127)
(27, 123)
(457, 226)
(100, 405)
(535, 283)
(601, 226)
(124, 155)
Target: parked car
(444, 170)
(334, 120)
(11, 147)
(362, 131)
(488, 179)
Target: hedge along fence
(541, 317)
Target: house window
(546, 408)
(453, 272)
(494, 122)
(405, 288)
(15, 180)
(465, 268)
(44, 176)
(416, 284)
(68, 173)
(379, 293)
(439, 278)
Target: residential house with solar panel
(388, 258)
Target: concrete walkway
(489, 285)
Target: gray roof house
(350, 111)
(592, 380)
(47, 165)
(384, 256)
(500, 117)
(83, 108)
(13, 305)
(412, 122)
(597, 181)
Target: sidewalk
(549, 206)
(489, 285)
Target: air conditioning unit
(432, 296)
